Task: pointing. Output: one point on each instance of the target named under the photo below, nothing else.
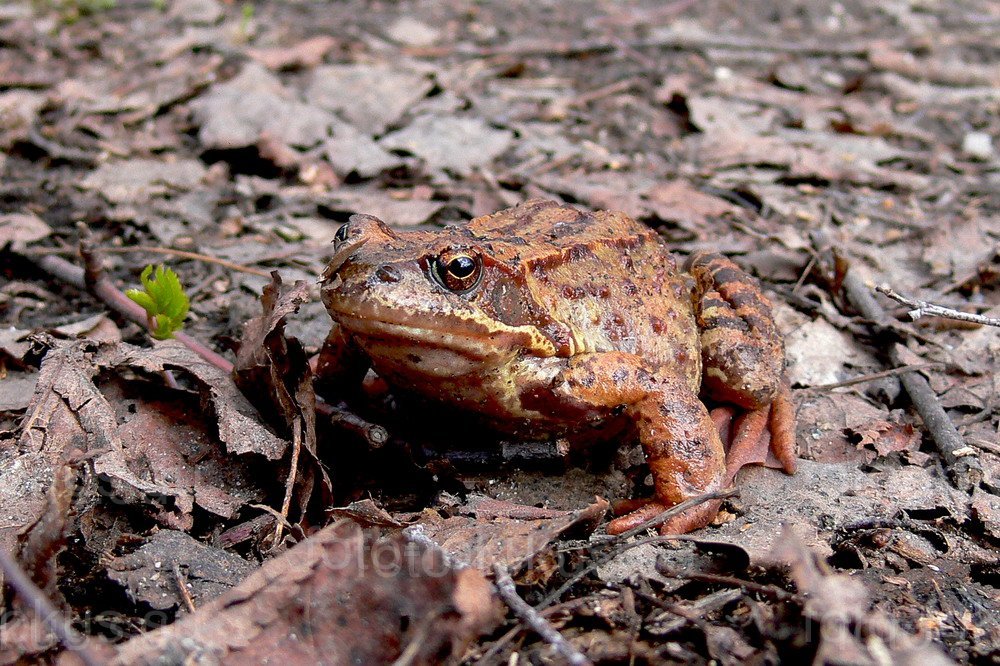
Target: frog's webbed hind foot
(763, 436)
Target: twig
(532, 618)
(182, 588)
(489, 657)
(293, 469)
(933, 70)
(194, 256)
(666, 39)
(693, 612)
(925, 309)
(898, 522)
(114, 298)
(621, 546)
(412, 651)
(60, 152)
(597, 563)
(985, 445)
(769, 591)
(963, 466)
(861, 379)
(374, 435)
(43, 608)
(150, 249)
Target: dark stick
(489, 657)
(531, 617)
(620, 546)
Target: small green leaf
(163, 299)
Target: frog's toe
(751, 441)
(639, 511)
(692, 519)
(782, 427)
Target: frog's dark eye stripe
(458, 270)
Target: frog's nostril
(388, 274)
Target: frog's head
(435, 304)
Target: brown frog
(550, 321)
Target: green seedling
(163, 299)
(71, 11)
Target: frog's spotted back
(539, 233)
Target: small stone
(411, 32)
(978, 145)
(197, 12)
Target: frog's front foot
(751, 435)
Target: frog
(549, 321)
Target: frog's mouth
(426, 344)
(402, 335)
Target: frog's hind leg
(743, 359)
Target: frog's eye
(458, 270)
(342, 232)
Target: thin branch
(861, 379)
(692, 613)
(114, 298)
(666, 39)
(152, 249)
(60, 152)
(374, 435)
(620, 545)
(597, 563)
(770, 591)
(181, 580)
(532, 618)
(43, 608)
(412, 651)
(925, 309)
(490, 656)
(293, 468)
(184, 254)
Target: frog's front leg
(682, 445)
(743, 358)
(340, 366)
